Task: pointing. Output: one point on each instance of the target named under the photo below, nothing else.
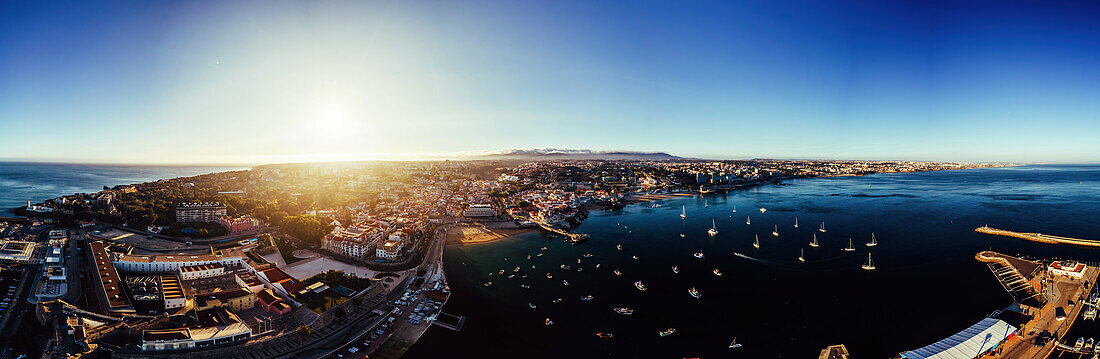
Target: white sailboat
(683, 212)
(748, 221)
(775, 232)
(870, 265)
(756, 244)
(795, 222)
(850, 247)
(713, 229)
(802, 255)
(813, 242)
(822, 229)
(734, 344)
(873, 242)
(705, 204)
(735, 208)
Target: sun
(332, 119)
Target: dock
(573, 237)
(1015, 275)
(1038, 237)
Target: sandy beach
(477, 234)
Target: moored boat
(675, 269)
(695, 293)
(640, 286)
(586, 298)
(624, 311)
(667, 332)
(870, 265)
(698, 255)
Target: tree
(277, 218)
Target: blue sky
(256, 82)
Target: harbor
(1038, 237)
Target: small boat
(735, 208)
(640, 286)
(849, 248)
(540, 255)
(683, 212)
(556, 301)
(748, 221)
(565, 267)
(870, 265)
(756, 244)
(717, 272)
(516, 270)
(705, 204)
(617, 272)
(543, 248)
(873, 242)
(667, 332)
(698, 255)
(524, 286)
(489, 283)
(597, 266)
(523, 276)
(802, 255)
(619, 247)
(813, 242)
(605, 335)
(734, 344)
(511, 276)
(822, 229)
(635, 257)
(587, 298)
(762, 209)
(528, 257)
(682, 235)
(795, 222)
(588, 255)
(501, 272)
(532, 305)
(578, 261)
(580, 269)
(548, 322)
(548, 276)
(695, 293)
(775, 232)
(565, 282)
(713, 229)
(624, 311)
(676, 269)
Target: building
(249, 280)
(235, 299)
(201, 271)
(107, 281)
(199, 212)
(238, 224)
(216, 326)
(270, 302)
(480, 211)
(16, 251)
(173, 263)
(393, 246)
(1067, 268)
(973, 342)
(174, 296)
(356, 241)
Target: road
(1058, 293)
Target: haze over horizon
(268, 82)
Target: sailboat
(802, 255)
(822, 229)
(748, 221)
(850, 247)
(734, 344)
(713, 229)
(813, 242)
(775, 233)
(795, 222)
(873, 242)
(683, 212)
(705, 204)
(757, 243)
(735, 208)
(762, 210)
(870, 265)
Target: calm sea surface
(927, 285)
(37, 182)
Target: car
(353, 350)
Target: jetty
(573, 237)
(1038, 237)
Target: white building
(201, 271)
(173, 263)
(1067, 268)
(199, 212)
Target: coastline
(475, 234)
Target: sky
(241, 82)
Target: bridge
(1038, 237)
(1014, 275)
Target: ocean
(23, 181)
(927, 285)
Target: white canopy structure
(970, 343)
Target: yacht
(870, 265)
(873, 242)
(756, 244)
(802, 255)
(775, 232)
(548, 322)
(713, 229)
(578, 261)
(795, 222)
(565, 282)
(813, 242)
(683, 212)
(667, 332)
(675, 269)
(624, 311)
(640, 286)
(748, 221)
(850, 248)
(564, 267)
(822, 229)
(734, 344)
(695, 292)
(532, 305)
(605, 335)
(698, 255)
(762, 210)
(717, 272)
(617, 272)
(587, 297)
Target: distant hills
(543, 154)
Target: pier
(1038, 237)
(1015, 276)
(573, 237)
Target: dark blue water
(927, 285)
(20, 181)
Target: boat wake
(755, 259)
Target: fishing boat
(640, 286)
(695, 293)
(565, 282)
(713, 228)
(762, 210)
(548, 276)
(617, 272)
(683, 212)
(558, 300)
(548, 322)
(587, 298)
(775, 232)
(756, 244)
(667, 332)
(870, 265)
(813, 242)
(734, 344)
(532, 305)
(501, 272)
(802, 255)
(717, 272)
(748, 221)
(850, 247)
(873, 242)
(605, 335)
(675, 269)
(624, 311)
(795, 222)
(698, 255)
(822, 229)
